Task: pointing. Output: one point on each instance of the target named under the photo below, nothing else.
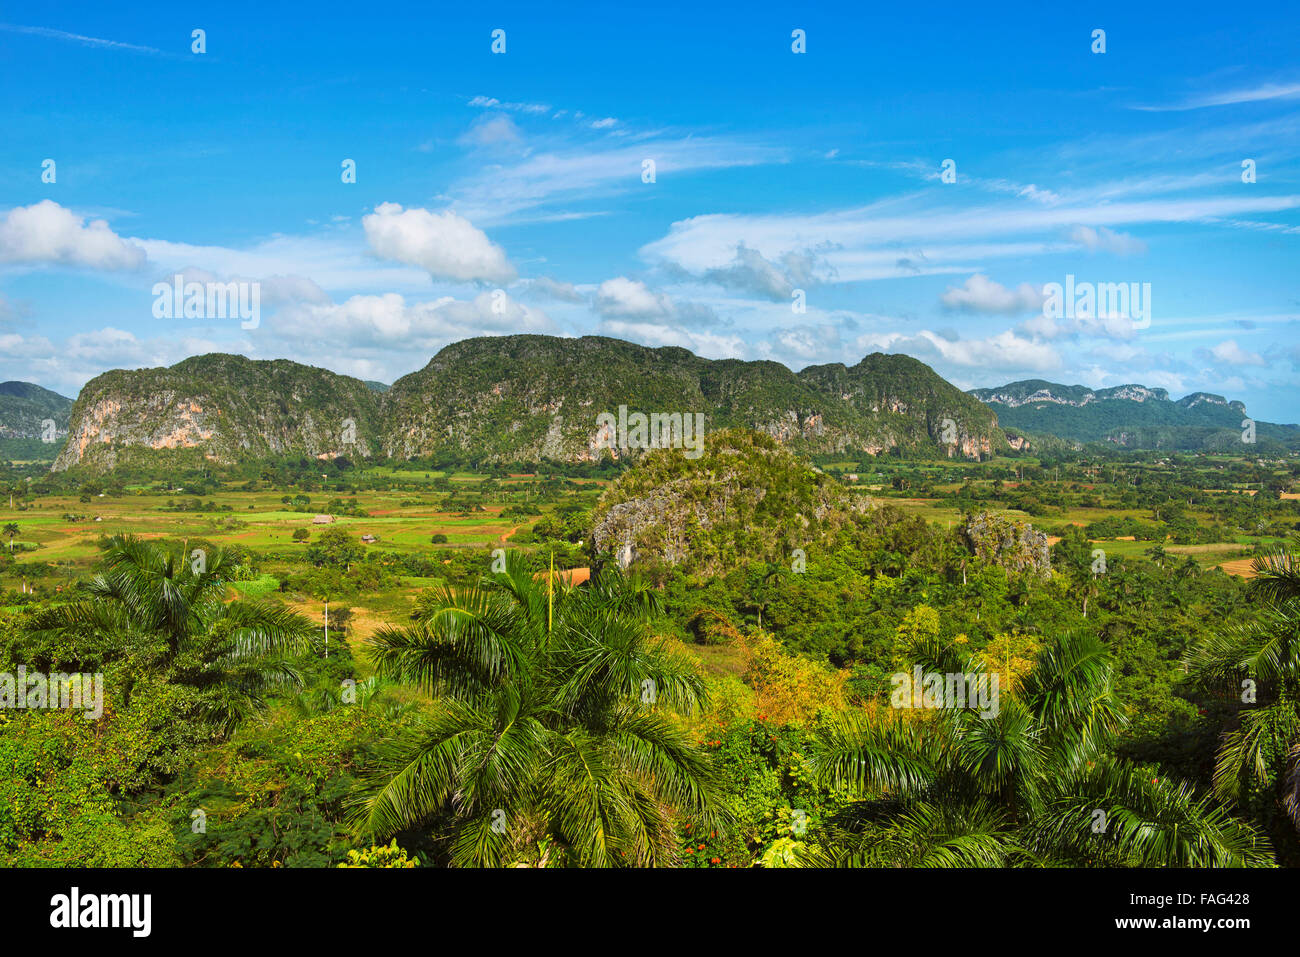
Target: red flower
(715, 860)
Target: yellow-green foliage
(789, 689)
(918, 626)
(731, 700)
(379, 855)
(1010, 656)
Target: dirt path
(1240, 567)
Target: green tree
(1032, 783)
(166, 610)
(335, 548)
(1256, 662)
(553, 725)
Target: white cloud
(1038, 194)
(563, 291)
(1003, 352)
(333, 261)
(865, 242)
(374, 337)
(1116, 327)
(491, 130)
(1172, 382)
(751, 272)
(277, 290)
(1112, 327)
(447, 245)
(625, 298)
(1102, 239)
(68, 364)
(579, 175)
(982, 294)
(46, 232)
(273, 290)
(492, 103)
(79, 39)
(389, 324)
(710, 345)
(1232, 354)
(1267, 91)
(807, 345)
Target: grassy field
(64, 530)
(255, 519)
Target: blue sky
(503, 193)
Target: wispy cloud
(85, 41)
(1268, 91)
(492, 103)
(862, 240)
(577, 174)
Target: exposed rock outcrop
(1016, 546)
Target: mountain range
(1130, 416)
(24, 406)
(26, 410)
(512, 399)
(530, 398)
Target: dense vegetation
(732, 707)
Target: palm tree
(11, 529)
(167, 611)
(1257, 661)
(552, 725)
(1032, 784)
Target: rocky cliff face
(221, 409)
(746, 498)
(525, 399)
(1210, 399)
(1031, 391)
(1017, 546)
(1129, 416)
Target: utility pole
(327, 630)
